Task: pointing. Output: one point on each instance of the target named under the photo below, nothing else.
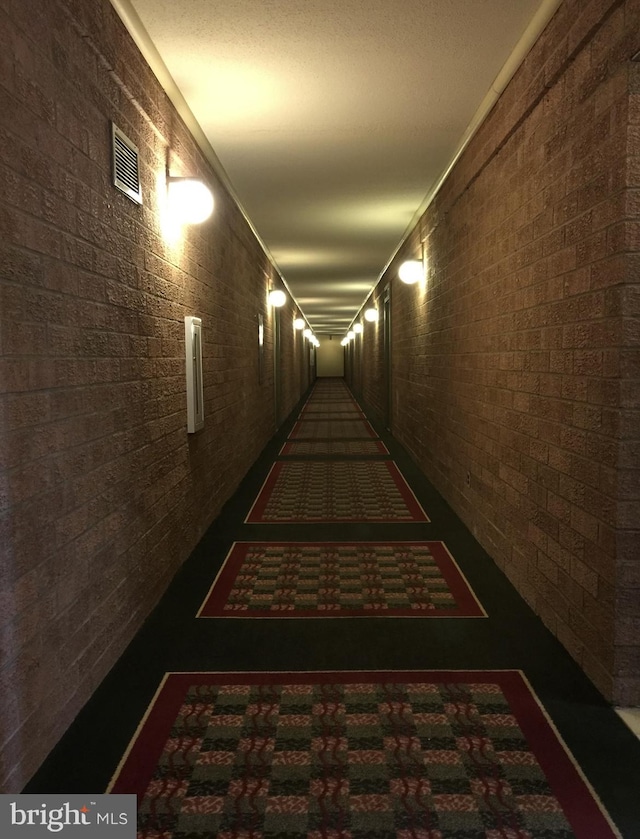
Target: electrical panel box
(195, 389)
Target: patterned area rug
(330, 429)
(331, 400)
(315, 416)
(335, 490)
(343, 405)
(323, 389)
(331, 580)
(335, 394)
(335, 447)
(431, 755)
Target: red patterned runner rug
(323, 406)
(339, 390)
(335, 490)
(337, 396)
(335, 447)
(332, 428)
(333, 580)
(360, 755)
(332, 416)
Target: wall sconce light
(411, 271)
(351, 334)
(299, 323)
(371, 315)
(277, 297)
(358, 328)
(190, 201)
(308, 334)
(344, 342)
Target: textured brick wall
(515, 366)
(370, 376)
(301, 365)
(628, 536)
(294, 349)
(102, 492)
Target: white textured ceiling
(333, 119)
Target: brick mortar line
(240, 236)
(547, 87)
(88, 38)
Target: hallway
(336, 556)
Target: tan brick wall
(369, 375)
(515, 367)
(294, 360)
(627, 662)
(102, 492)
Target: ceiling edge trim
(536, 26)
(143, 41)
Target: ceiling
(334, 119)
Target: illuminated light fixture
(277, 297)
(298, 323)
(351, 334)
(344, 342)
(308, 334)
(190, 201)
(411, 271)
(358, 328)
(371, 315)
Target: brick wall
(294, 349)
(627, 662)
(102, 492)
(368, 375)
(515, 366)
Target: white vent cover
(126, 172)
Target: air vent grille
(126, 172)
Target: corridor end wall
(515, 369)
(103, 493)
